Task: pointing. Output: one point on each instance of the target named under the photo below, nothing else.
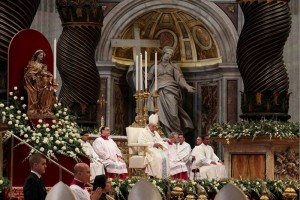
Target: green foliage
(4, 183)
(270, 128)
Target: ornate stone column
(14, 17)
(82, 22)
(260, 59)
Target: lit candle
(141, 72)
(54, 59)
(137, 73)
(146, 71)
(155, 71)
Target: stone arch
(216, 20)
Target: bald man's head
(82, 172)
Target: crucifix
(137, 43)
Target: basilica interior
(231, 58)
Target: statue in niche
(38, 82)
(170, 81)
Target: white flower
(64, 148)
(1, 105)
(45, 140)
(54, 148)
(66, 109)
(40, 121)
(24, 106)
(9, 122)
(77, 150)
(55, 105)
(11, 107)
(57, 142)
(25, 136)
(21, 98)
(1, 182)
(18, 117)
(42, 149)
(53, 126)
(33, 138)
(26, 118)
(67, 117)
(11, 93)
(64, 113)
(37, 141)
(19, 112)
(15, 88)
(59, 104)
(38, 126)
(70, 140)
(16, 125)
(15, 97)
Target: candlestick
(137, 73)
(54, 59)
(155, 72)
(146, 71)
(141, 72)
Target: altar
(261, 158)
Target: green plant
(270, 128)
(4, 183)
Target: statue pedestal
(261, 158)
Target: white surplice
(156, 160)
(96, 167)
(204, 155)
(176, 165)
(79, 193)
(108, 153)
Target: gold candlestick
(136, 118)
(140, 110)
(146, 116)
(155, 96)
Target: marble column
(260, 59)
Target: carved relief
(287, 164)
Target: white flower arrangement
(61, 136)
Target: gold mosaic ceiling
(191, 39)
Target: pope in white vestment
(207, 161)
(96, 166)
(156, 160)
(110, 155)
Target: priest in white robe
(184, 151)
(96, 167)
(208, 163)
(110, 155)
(156, 160)
(178, 169)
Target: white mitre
(60, 191)
(153, 119)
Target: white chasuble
(156, 160)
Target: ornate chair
(137, 154)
